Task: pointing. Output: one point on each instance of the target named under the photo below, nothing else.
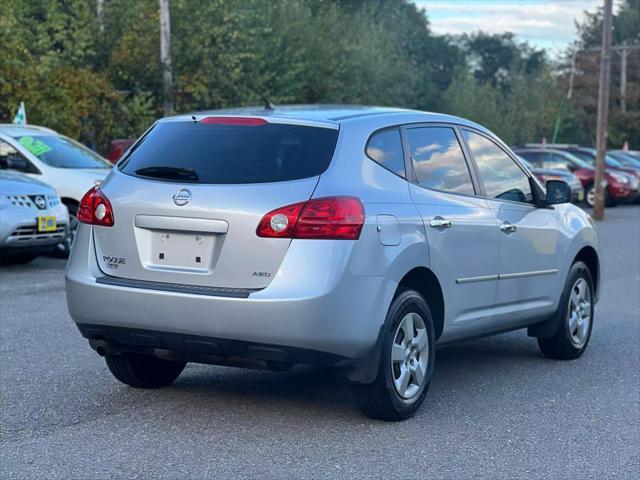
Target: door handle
(507, 227)
(439, 222)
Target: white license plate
(178, 250)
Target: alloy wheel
(410, 356)
(579, 313)
(591, 197)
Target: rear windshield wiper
(170, 173)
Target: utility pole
(603, 110)
(165, 56)
(100, 14)
(624, 50)
(624, 53)
(556, 129)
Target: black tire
(589, 192)
(63, 249)
(561, 345)
(144, 371)
(380, 399)
(17, 259)
(609, 201)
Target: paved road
(496, 409)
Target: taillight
(95, 208)
(330, 218)
(237, 121)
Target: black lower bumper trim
(176, 287)
(199, 349)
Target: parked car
(355, 237)
(33, 220)
(620, 186)
(544, 175)
(589, 155)
(627, 158)
(118, 148)
(66, 165)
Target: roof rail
(550, 145)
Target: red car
(620, 185)
(118, 147)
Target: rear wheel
(406, 362)
(144, 371)
(576, 313)
(590, 197)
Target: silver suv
(354, 237)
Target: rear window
(208, 153)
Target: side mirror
(558, 192)
(15, 162)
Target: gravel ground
(497, 408)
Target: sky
(543, 23)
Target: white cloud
(544, 23)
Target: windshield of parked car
(627, 160)
(577, 161)
(590, 157)
(61, 152)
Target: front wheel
(144, 371)
(575, 314)
(406, 362)
(63, 249)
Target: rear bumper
(108, 340)
(313, 303)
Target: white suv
(66, 165)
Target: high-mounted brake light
(95, 208)
(328, 218)
(238, 121)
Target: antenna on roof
(267, 104)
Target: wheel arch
(69, 201)
(589, 256)
(426, 283)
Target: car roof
(329, 115)
(520, 150)
(14, 130)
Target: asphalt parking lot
(497, 408)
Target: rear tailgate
(203, 232)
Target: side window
(536, 158)
(501, 176)
(438, 160)
(11, 159)
(385, 148)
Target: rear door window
(385, 148)
(438, 161)
(222, 154)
